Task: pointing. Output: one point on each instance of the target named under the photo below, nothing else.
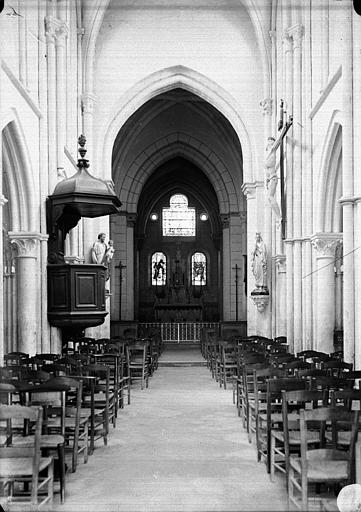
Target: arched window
(179, 219)
(159, 269)
(199, 269)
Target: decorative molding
(224, 220)
(243, 216)
(287, 42)
(21, 90)
(3, 200)
(56, 30)
(261, 301)
(74, 260)
(296, 32)
(88, 100)
(131, 219)
(249, 188)
(280, 262)
(326, 243)
(266, 105)
(325, 92)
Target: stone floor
(178, 447)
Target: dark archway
(178, 298)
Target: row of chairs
(298, 409)
(80, 393)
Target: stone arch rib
(177, 144)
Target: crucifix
(270, 167)
(236, 268)
(120, 266)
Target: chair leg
(61, 457)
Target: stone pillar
(356, 73)
(338, 287)
(50, 33)
(60, 43)
(347, 200)
(88, 102)
(297, 34)
(243, 273)
(325, 245)
(269, 220)
(3, 201)
(249, 190)
(324, 42)
(288, 97)
(129, 271)
(226, 278)
(28, 290)
(281, 295)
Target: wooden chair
(327, 464)
(52, 442)
(23, 467)
(228, 366)
(288, 438)
(271, 418)
(137, 362)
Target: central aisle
(178, 447)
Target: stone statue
(108, 256)
(271, 178)
(259, 265)
(99, 249)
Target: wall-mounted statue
(259, 265)
(271, 178)
(99, 249)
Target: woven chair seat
(322, 470)
(12, 467)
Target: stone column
(356, 73)
(325, 245)
(281, 305)
(28, 290)
(60, 43)
(269, 220)
(338, 286)
(347, 200)
(129, 271)
(288, 97)
(226, 257)
(50, 33)
(249, 190)
(297, 34)
(3, 201)
(88, 102)
(324, 42)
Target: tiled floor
(178, 447)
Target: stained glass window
(179, 219)
(199, 269)
(159, 269)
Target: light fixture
(154, 216)
(203, 216)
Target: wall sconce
(154, 216)
(203, 216)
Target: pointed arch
(166, 80)
(329, 214)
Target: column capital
(26, 243)
(297, 32)
(249, 188)
(225, 220)
(88, 101)
(280, 261)
(3, 200)
(287, 42)
(131, 219)
(56, 30)
(326, 243)
(243, 216)
(266, 105)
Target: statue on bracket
(259, 265)
(271, 178)
(102, 254)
